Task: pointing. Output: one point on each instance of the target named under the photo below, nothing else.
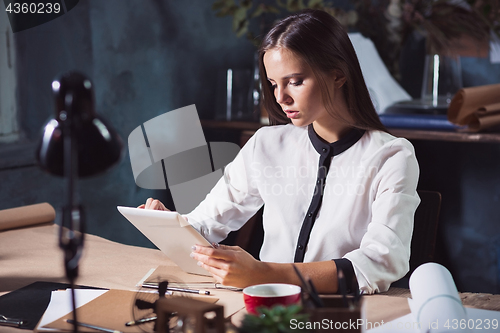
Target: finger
(141, 206)
(216, 273)
(228, 247)
(161, 206)
(148, 203)
(213, 253)
(211, 261)
(214, 266)
(156, 205)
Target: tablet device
(170, 232)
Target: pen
(71, 321)
(313, 300)
(5, 321)
(184, 290)
(343, 288)
(315, 296)
(141, 321)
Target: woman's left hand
(230, 265)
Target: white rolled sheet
(435, 304)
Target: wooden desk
(32, 254)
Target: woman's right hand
(154, 204)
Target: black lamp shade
(98, 146)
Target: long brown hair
(318, 39)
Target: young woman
(339, 192)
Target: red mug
(270, 294)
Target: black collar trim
(338, 146)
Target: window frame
(9, 123)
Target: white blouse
(368, 204)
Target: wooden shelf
(445, 136)
(411, 134)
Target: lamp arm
(75, 118)
(72, 230)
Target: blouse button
(325, 150)
(300, 247)
(309, 215)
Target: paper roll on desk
(477, 107)
(26, 216)
(435, 299)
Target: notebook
(171, 233)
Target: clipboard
(171, 233)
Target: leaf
(259, 11)
(218, 4)
(227, 11)
(225, 6)
(295, 5)
(282, 327)
(293, 309)
(247, 4)
(272, 9)
(315, 4)
(280, 4)
(243, 29)
(274, 320)
(240, 16)
(240, 13)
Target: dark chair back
(423, 243)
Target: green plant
(274, 320)
(246, 11)
(450, 26)
(446, 24)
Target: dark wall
(145, 58)
(467, 176)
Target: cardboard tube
(26, 216)
(484, 121)
(468, 100)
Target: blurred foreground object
(76, 143)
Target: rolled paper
(435, 304)
(26, 216)
(485, 122)
(467, 101)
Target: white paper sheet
(384, 89)
(437, 308)
(494, 49)
(434, 297)
(61, 304)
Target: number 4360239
(33, 8)
(477, 324)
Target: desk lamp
(77, 142)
